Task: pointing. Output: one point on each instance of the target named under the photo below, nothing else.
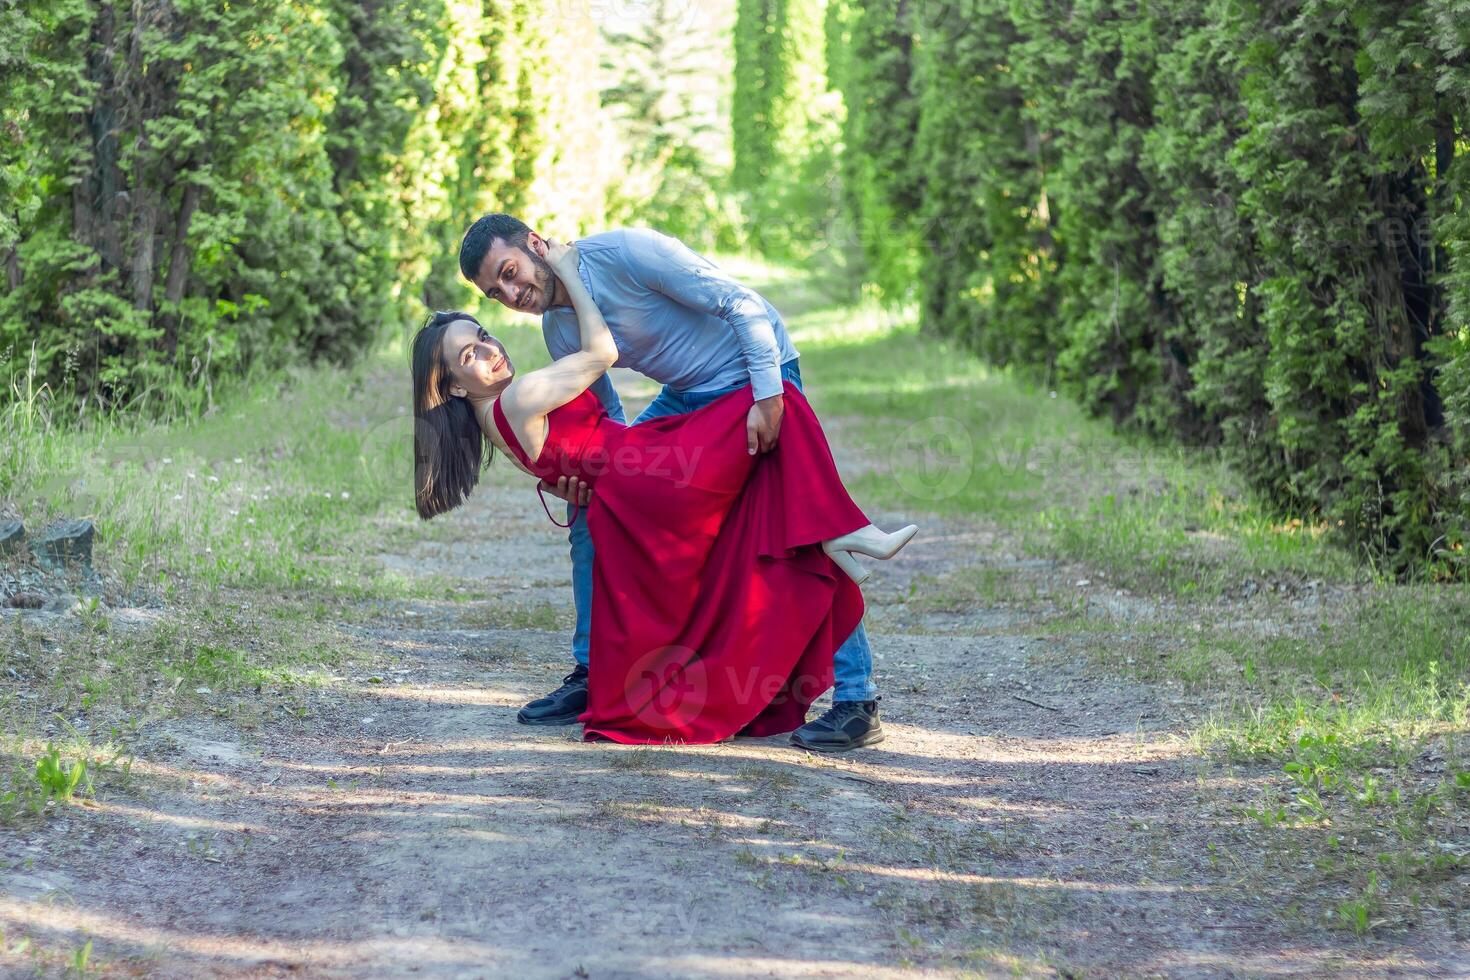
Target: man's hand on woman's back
(571, 489)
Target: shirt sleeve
(668, 266)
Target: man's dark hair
(482, 235)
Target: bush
(1232, 223)
(194, 191)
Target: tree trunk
(145, 225)
(1400, 287)
(95, 196)
(149, 95)
(1444, 159)
(13, 277)
(1438, 255)
(178, 266)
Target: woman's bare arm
(528, 399)
(539, 392)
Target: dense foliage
(785, 127)
(193, 189)
(1237, 222)
(870, 51)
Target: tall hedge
(870, 62)
(1237, 222)
(988, 248)
(1208, 249)
(475, 148)
(1348, 167)
(195, 189)
(1449, 36)
(146, 234)
(785, 126)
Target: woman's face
(478, 364)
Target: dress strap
(507, 433)
(576, 509)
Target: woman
(714, 611)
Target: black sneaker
(562, 706)
(846, 725)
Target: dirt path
(1027, 814)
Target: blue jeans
(853, 662)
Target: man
(686, 324)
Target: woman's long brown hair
(448, 446)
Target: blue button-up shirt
(676, 317)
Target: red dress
(714, 609)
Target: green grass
(37, 776)
(1366, 720)
(540, 616)
(1394, 674)
(257, 524)
(243, 664)
(285, 485)
(25, 956)
(1362, 717)
(261, 493)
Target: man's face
(519, 278)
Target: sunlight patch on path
(244, 949)
(960, 877)
(477, 697)
(1122, 748)
(176, 819)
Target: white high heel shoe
(868, 541)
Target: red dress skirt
(715, 611)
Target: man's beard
(545, 281)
